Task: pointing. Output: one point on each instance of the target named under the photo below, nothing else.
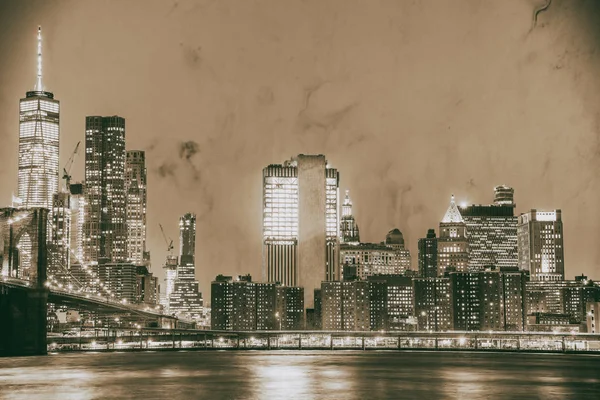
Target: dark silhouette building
(428, 255)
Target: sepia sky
(412, 100)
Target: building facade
(433, 304)
(186, 297)
(136, 187)
(301, 223)
(428, 255)
(540, 245)
(39, 128)
(105, 228)
(453, 246)
(349, 232)
(345, 306)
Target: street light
(278, 319)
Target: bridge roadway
(181, 339)
(92, 302)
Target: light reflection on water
(299, 374)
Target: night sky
(411, 101)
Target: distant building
(119, 279)
(170, 272)
(345, 306)
(349, 232)
(540, 243)
(105, 226)
(492, 232)
(186, 297)
(453, 247)
(146, 286)
(300, 223)
(592, 316)
(60, 236)
(362, 260)
(135, 186)
(77, 207)
(398, 310)
(428, 255)
(433, 304)
(243, 305)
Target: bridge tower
(23, 294)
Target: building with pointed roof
(349, 232)
(453, 247)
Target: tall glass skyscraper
(186, 298)
(105, 228)
(39, 116)
(301, 223)
(135, 184)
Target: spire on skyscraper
(38, 85)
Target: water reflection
(299, 375)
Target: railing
(162, 339)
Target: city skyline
(385, 201)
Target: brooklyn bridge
(27, 288)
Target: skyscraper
(60, 235)
(105, 229)
(428, 255)
(135, 184)
(186, 297)
(348, 228)
(77, 202)
(300, 223)
(492, 231)
(540, 244)
(39, 117)
(453, 251)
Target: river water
(300, 375)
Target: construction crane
(67, 168)
(168, 242)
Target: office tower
(146, 286)
(221, 301)
(186, 297)
(345, 306)
(170, 270)
(119, 279)
(349, 232)
(466, 300)
(399, 298)
(39, 119)
(492, 231)
(105, 228)
(540, 245)
(60, 237)
(135, 185)
(244, 304)
(513, 299)
(300, 223)
(378, 304)
(77, 203)
(433, 304)
(289, 311)
(266, 306)
(453, 250)
(428, 255)
(592, 316)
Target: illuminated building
(105, 227)
(60, 237)
(186, 297)
(243, 305)
(433, 304)
(120, 279)
(135, 184)
(492, 232)
(398, 310)
(592, 316)
(349, 232)
(146, 286)
(170, 270)
(540, 245)
(428, 255)
(466, 302)
(39, 117)
(77, 202)
(453, 247)
(345, 306)
(289, 314)
(362, 260)
(300, 223)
